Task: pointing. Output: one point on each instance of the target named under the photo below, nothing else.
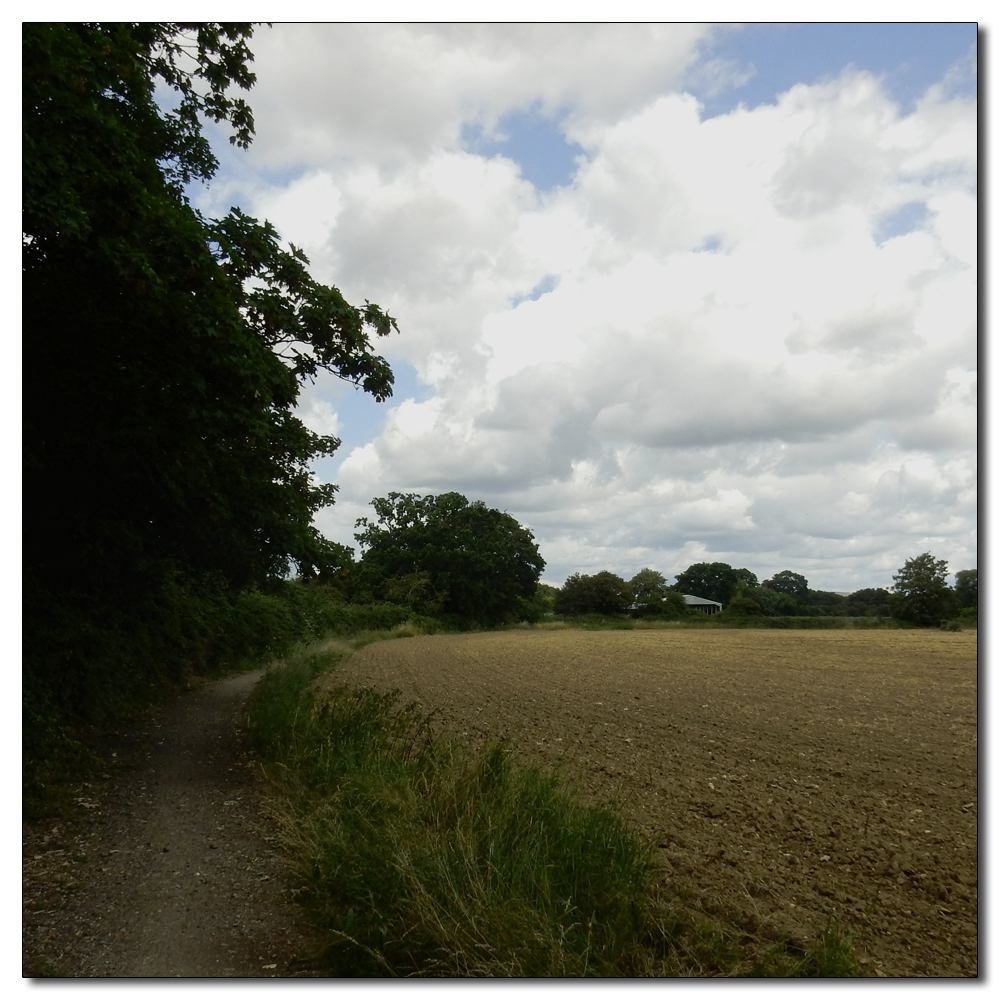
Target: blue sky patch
(901, 221)
(910, 56)
(361, 416)
(535, 143)
(546, 285)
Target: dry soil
(787, 778)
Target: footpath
(171, 869)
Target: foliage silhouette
(163, 464)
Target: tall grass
(418, 859)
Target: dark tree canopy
(163, 355)
(653, 597)
(715, 581)
(744, 607)
(872, 601)
(165, 350)
(967, 588)
(920, 592)
(787, 582)
(604, 593)
(452, 556)
(649, 589)
(772, 602)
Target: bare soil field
(787, 777)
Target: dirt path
(167, 871)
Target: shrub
(969, 617)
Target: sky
(667, 293)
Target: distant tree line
(920, 594)
(467, 565)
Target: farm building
(702, 604)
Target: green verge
(417, 858)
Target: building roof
(691, 599)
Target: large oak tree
(163, 351)
(448, 555)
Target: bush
(969, 617)
(674, 607)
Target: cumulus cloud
(748, 338)
(394, 94)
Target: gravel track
(170, 869)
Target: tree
(172, 346)
(715, 581)
(787, 582)
(967, 588)
(474, 562)
(771, 602)
(333, 567)
(165, 351)
(825, 602)
(653, 597)
(870, 601)
(649, 590)
(540, 604)
(920, 592)
(604, 593)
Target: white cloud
(319, 416)
(393, 94)
(729, 359)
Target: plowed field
(786, 777)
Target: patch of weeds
(829, 956)
(407, 630)
(421, 861)
(54, 757)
